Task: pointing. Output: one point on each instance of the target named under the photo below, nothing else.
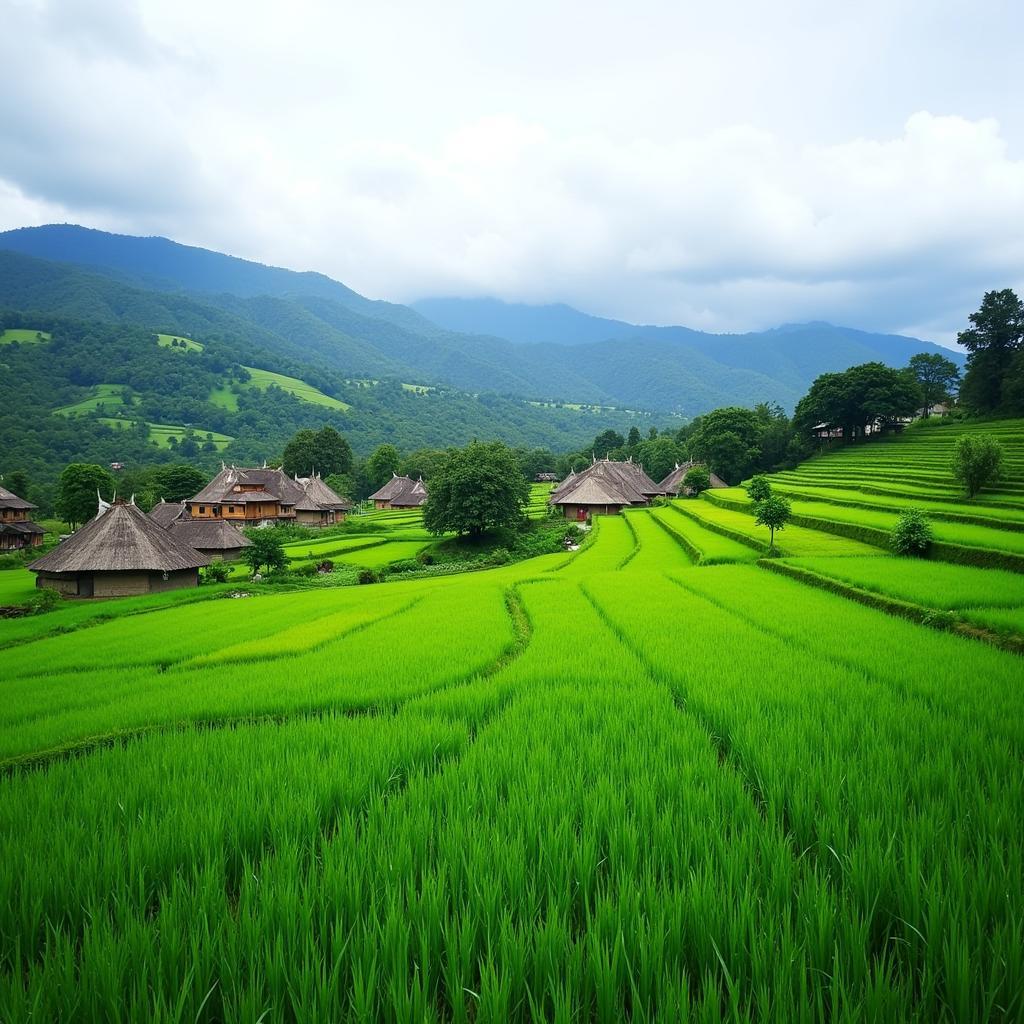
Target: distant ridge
(543, 353)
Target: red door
(581, 515)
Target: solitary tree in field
(773, 512)
(912, 534)
(479, 488)
(936, 376)
(76, 492)
(759, 488)
(977, 462)
(697, 480)
(266, 551)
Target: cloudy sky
(727, 166)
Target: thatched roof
(122, 538)
(321, 495)
(606, 483)
(8, 499)
(402, 492)
(673, 483)
(209, 534)
(25, 526)
(273, 484)
(167, 512)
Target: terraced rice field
(626, 784)
(160, 434)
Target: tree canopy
(480, 488)
(995, 365)
(977, 462)
(382, 464)
(322, 451)
(77, 491)
(936, 376)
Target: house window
(202, 509)
(231, 508)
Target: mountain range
(549, 354)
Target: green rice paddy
(645, 781)
(160, 434)
(102, 398)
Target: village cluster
(124, 551)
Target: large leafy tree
(176, 483)
(936, 376)
(77, 492)
(381, 465)
(994, 338)
(728, 441)
(480, 488)
(424, 462)
(659, 456)
(858, 397)
(323, 451)
(17, 482)
(266, 550)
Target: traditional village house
(321, 506)
(17, 530)
(546, 478)
(250, 497)
(218, 539)
(604, 488)
(121, 552)
(400, 492)
(673, 483)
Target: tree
(424, 462)
(773, 512)
(633, 440)
(936, 376)
(912, 534)
(605, 442)
(341, 484)
(381, 465)
(659, 456)
(77, 489)
(176, 483)
(697, 480)
(480, 488)
(322, 451)
(759, 488)
(17, 482)
(727, 440)
(265, 551)
(995, 336)
(977, 462)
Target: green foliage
(42, 601)
(773, 512)
(16, 481)
(912, 534)
(382, 464)
(77, 491)
(266, 551)
(176, 483)
(727, 441)
(217, 572)
(697, 480)
(977, 462)
(480, 488)
(323, 451)
(858, 397)
(995, 339)
(422, 463)
(936, 376)
(759, 488)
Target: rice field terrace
(656, 778)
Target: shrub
(215, 572)
(368, 576)
(42, 601)
(425, 557)
(697, 480)
(912, 534)
(759, 489)
(977, 462)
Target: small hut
(400, 492)
(120, 553)
(17, 530)
(673, 483)
(217, 539)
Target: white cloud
(727, 169)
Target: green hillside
(179, 344)
(263, 379)
(24, 336)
